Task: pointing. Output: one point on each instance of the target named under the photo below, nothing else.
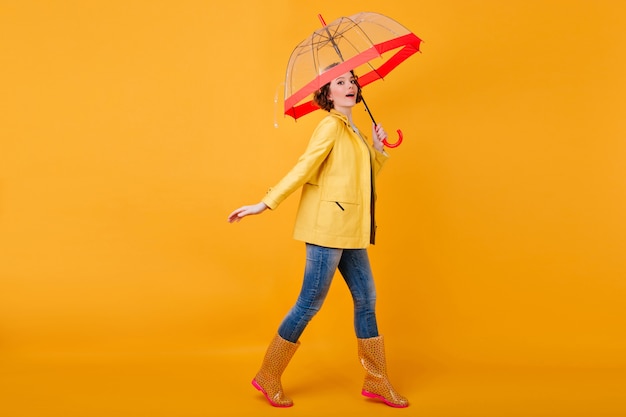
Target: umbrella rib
(369, 40)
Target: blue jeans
(321, 264)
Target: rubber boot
(267, 380)
(377, 385)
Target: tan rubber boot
(267, 380)
(377, 385)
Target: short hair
(320, 97)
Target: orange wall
(129, 131)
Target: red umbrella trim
(410, 44)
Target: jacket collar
(340, 116)
(345, 120)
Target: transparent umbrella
(370, 44)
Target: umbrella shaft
(330, 36)
(368, 111)
(336, 47)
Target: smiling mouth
(349, 95)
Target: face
(343, 92)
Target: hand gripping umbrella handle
(387, 144)
(396, 143)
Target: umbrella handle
(395, 144)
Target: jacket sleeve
(379, 160)
(320, 145)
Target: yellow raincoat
(336, 173)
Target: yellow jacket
(336, 173)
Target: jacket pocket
(339, 218)
(340, 194)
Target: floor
(217, 383)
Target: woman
(336, 221)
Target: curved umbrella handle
(397, 143)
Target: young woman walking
(336, 221)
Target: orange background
(130, 129)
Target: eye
(340, 83)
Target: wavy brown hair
(320, 97)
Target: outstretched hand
(244, 211)
(378, 135)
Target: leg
(321, 264)
(356, 270)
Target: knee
(365, 303)
(307, 310)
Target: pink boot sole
(258, 387)
(383, 399)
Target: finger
(235, 215)
(237, 218)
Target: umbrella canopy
(357, 43)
